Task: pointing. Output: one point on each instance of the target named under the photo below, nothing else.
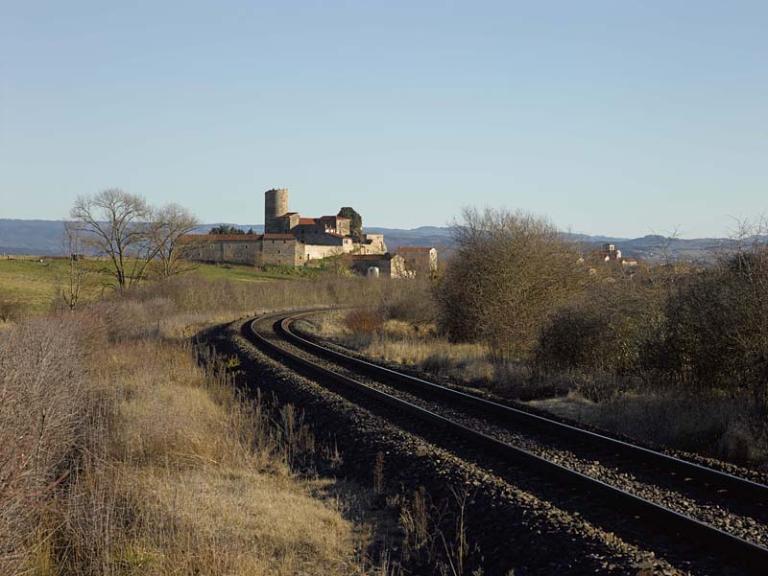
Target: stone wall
(318, 252)
(373, 244)
(243, 250)
(282, 251)
(277, 249)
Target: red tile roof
(279, 237)
(235, 237)
(369, 257)
(221, 237)
(307, 221)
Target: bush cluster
(517, 287)
(510, 270)
(604, 329)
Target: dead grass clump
(364, 321)
(436, 536)
(11, 311)
(713, 425)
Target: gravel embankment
(514, 529)
(743, 519)
(305, 328)
(683, 553)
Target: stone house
(377, 265)
(419, 261)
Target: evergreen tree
(225, 229)
(356, 227)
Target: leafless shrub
(416, 305)
(364, 321)
(77, 273)
(10, 311)
(509, 272)
(715, 334)
(42, 415)
(604, 329)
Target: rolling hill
(45, 238)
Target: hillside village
(291, 239)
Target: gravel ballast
(513, 529)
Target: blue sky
(615, 117)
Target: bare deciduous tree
(172, 224)
(77, 272)
(117, 225)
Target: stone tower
(275, 207)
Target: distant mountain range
(36, 237)
(45, 238)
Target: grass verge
(120, 454)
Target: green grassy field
(34, 282)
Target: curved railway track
(686, 505)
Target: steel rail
(748, 555)
(683, 468)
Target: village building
(377, 266)
(291, 239)
(610, 253)
(419, 260)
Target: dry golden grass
(234, 521)
(120, 455)
(712, 424)
(202, 499)
(410, 344)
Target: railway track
(690, 508)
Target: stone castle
(292, 240)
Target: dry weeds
(712, 424)
(120, 455)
